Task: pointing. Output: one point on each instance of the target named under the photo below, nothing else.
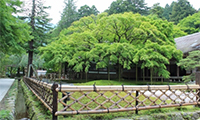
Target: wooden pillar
(147, 72)
(178, 71)
(168, 68)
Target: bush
(5, 115)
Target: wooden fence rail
(70, 100)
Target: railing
(70, 100)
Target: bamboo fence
(106, 99)
(70, 100)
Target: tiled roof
(188, 43)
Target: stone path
(5, 84)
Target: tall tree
(13, 31)
(156, 9)
(87, 11)
(180, 10)
(68, 16)
(40, 24)
(121, 6)
(168, 10)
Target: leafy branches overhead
(13, 31)
(119, 40)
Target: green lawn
(117, 82)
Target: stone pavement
(5, 84)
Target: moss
(34, 106)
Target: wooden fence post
(55, 102)
(136, 102)
(197, 81)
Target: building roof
(188, 43)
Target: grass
(5, 115)
(117, 82)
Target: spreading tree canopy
(119, 39)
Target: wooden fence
(70, 100)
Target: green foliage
(168, 10)
(119, 39)
(190, 63)
(40, 24)
(121, 6)
(177, 32)
(87, 11)
(5, 115)
(190, 24)
(156, 9)
(181, 9)
(14, 31)
(68, 16)
(4, 61)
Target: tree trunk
(98, 74)
(143, 74)
(23, 70)
(119, 67)
(60, 71)
(81, 75)
(30, 52)
(86, 76)
(108, 72)
(18, 72)
(136, 74)
(151, 75)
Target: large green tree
(156, 9)
(68, 16)
(118, 40)
(190, 24)
(181, 9)
(13, 31)
(168, 10)
(121, 6)
(87, 11)
(38, 19)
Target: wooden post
(143, 74)
(197, 80)
(136, 73)
(136, 102)
(177, 71)
(55, 102)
